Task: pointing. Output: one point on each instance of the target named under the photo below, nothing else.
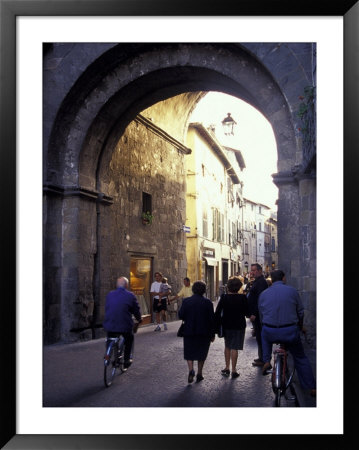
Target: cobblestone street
(73, 375)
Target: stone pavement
(73, 376)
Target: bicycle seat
(280, 349)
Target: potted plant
(147, 218)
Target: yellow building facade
(213, 202)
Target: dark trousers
(258, 329)
(290, 336)
(128, 336)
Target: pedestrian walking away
(199, 329)
(259, 285)
(231, 313)
(121, 306)
(282, 313)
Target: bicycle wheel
(277, 378)
(110, 365)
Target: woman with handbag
(198, 330)
(230, 315)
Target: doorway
(224, 271)
(140, 276)
(209, 280)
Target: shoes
(165, 327)
(257, 360)
(235, 374)
(258, 363)
(158, 328)
(267, 366)
(225, 372)
(191, 376)
(127, 364)
(199, 378)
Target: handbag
(180, 330)
(220, 331)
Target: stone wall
(92, 92)
(143, 162)
(308, 280)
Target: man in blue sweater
(121, 305)
(281, 313)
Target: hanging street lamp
(228, 124)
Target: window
(146, 202)
(260, 226)
(246, 248)
(221, 228)
(218, 226)
(214, 224)
(273, 244)
(205, 223)
(140, 282)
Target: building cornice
(290, 177)
(77, 191)
(162, 134)
(217, 149)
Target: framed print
(26, 29)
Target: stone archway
(94, 110)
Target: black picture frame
(9, 10)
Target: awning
(211, 261)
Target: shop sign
(209, 252)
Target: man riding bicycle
(121, 305)
(281, 313)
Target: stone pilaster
(297, 239)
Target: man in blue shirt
(121, 305)
(281, 313)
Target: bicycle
(281, 376)
(113, 359)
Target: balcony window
(146, 202)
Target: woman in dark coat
(231, 312)
(199, 328)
